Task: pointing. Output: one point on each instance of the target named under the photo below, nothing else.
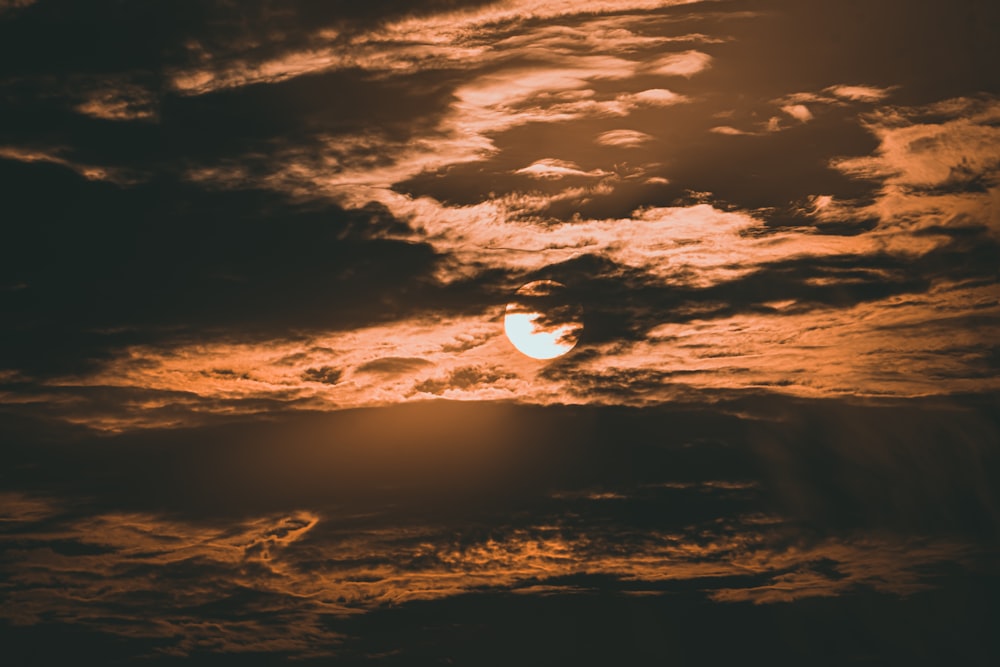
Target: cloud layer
(709, 509)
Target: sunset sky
(256, 398)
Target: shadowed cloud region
(461, 504)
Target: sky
(256, 398)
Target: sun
(541, 322)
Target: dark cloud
(99, 266)
(103, 38)
(306, 121)
(421, 509)
(792, 447)
(465, 378)
(324, 374)
(787, 48)
(624, 303)
(392, 365)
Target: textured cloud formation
(121, 101)
(799, 112)
(722, 230)
(952, 142)
(256, 400)
(877, 312)
(555, 169)
(625, 138)
(413, 505)
(280, 555)
(859, 93)
(415, 43)
(89, 172)
(687, 64)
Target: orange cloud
(728, 129)
(685, 64)
(799, 112)
(446, 39)
(623, 138)
(860, 93)
(550, 168)
(52, 156)
(301, 570)
(117, 100)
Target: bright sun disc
(541, 323)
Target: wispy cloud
(513, 75)
(551, 168)
(446, 39)
(859, 93)
(119, 101)
(55, 156)
(623, 138)
(685, 64)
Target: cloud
(146, 554)
(859, 93)
(119, 102)
(542, 74)
(939, 169)
(426, 163)
(463, 379)
(352, 368)
(337, 201)
(292, 535)
(435, 40)
(729, 130)
(550, 168)
(858, 565)
(393, 365)
(20, 509)
(485, 106)
(916, 151)
(380, 570)
(799, 112)
(862, 349)
(657, 97)
(623, 138)
(324, 374)
(685, 64)
(728, 300)
(262, 258)
(743, 306)
(52, 156)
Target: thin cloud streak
(859, 93)
(550, 168)
(623, 138)
(53, 156)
